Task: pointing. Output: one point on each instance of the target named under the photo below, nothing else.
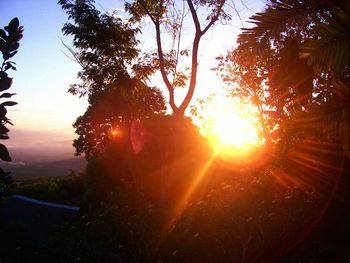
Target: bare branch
(179, 41)
(233, 6)
(214, 18)
(193, 80)
(247, 7)
(74, 56)
(156, 22)
(162, 68)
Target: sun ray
(185, 198)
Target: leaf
(8, 65)
(13, 53)
(2, 45)
(14, 24)
(9, 103)
(6, 55)
(13, 47)
(3, 112)
(8, 121)
(7, 95)
(4, 153)
(3, 130)
(3, 34)
(4, 137)
(5, 82)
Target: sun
(232, 127)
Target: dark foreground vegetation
(269, 213)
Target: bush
(67, 189)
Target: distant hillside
(33, 162)
(41, 154)
(23, 171)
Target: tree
(106, 48)
(9, 38)
(167, 15)
(294, 76)
(322, 27)
(109, 118)
(323, 42)
(246, 79)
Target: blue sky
(44, 72)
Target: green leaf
(4, 153)
(9, 103)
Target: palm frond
(331, 51)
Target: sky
(45, 110)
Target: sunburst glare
(231, 126)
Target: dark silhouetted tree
(9, 38)
(296, 59)
(106, 48)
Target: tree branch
(147, 11)
(193, 80)
(194, 16)
(162, 69)
(195, 47)
(170, 88)
(179, 42)
(214, 18)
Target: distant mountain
(23, 171)
(42, 161)
(41, 154)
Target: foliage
(9, 38)
(104, 44)
(322, 24)
(287, 64)
(106, 48)
(113, 112)
(66, 189)
(240, 216)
